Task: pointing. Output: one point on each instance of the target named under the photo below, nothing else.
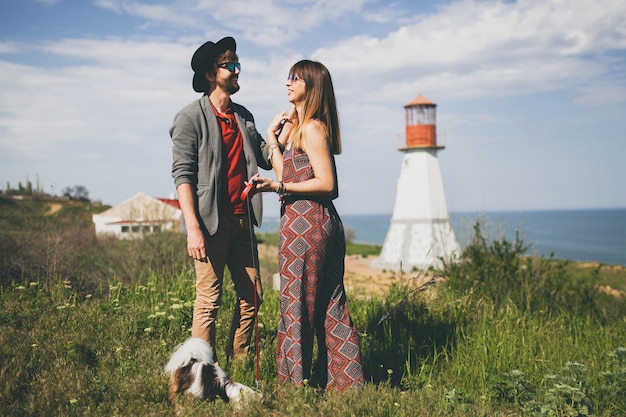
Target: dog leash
(256, 301)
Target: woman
(312, 243)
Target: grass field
(504, 335)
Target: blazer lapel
(214, 139)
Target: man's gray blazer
(197, 158)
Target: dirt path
(361, 277)
(54, 207)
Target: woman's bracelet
(281, 189)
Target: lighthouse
(420, 233)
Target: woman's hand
(265, 184)
(292, 113)
(275, 125)
(253, 179)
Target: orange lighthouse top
(421, 123)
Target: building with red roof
(137, 216)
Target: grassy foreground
(505, 335)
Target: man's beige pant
(234, 246)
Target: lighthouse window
(420, 115)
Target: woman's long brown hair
(319, 103)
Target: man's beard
(228, 85)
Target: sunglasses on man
(230, 66)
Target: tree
(78, 192)
(68, 192)
(81, 193)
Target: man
(216, 147)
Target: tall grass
(103, 355)
(504, 335)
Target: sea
(597, 235)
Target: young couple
(216, 151)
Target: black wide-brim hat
(203, 56)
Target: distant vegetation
(38, 191)
(86, 326)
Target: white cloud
(179, 14)
(83, 97)
(48, 2)
(116, 91)
(264, 22)
(8, 47)
(476, 49)
(602, 94)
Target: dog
(191, 370)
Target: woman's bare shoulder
(314, 130)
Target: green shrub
(568, 393)
(404, 324)
(500, 271)
(613, 390)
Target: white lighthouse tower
(420, 233)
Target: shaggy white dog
(192, 371)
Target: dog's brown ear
(180, 381)
(214, 386)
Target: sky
(530, 94)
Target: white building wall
(106, 225)
(136, 216)
(420, 231)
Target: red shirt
(235, 161)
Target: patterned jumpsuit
(312, 295)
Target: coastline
(364, 279)
(594, 235)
